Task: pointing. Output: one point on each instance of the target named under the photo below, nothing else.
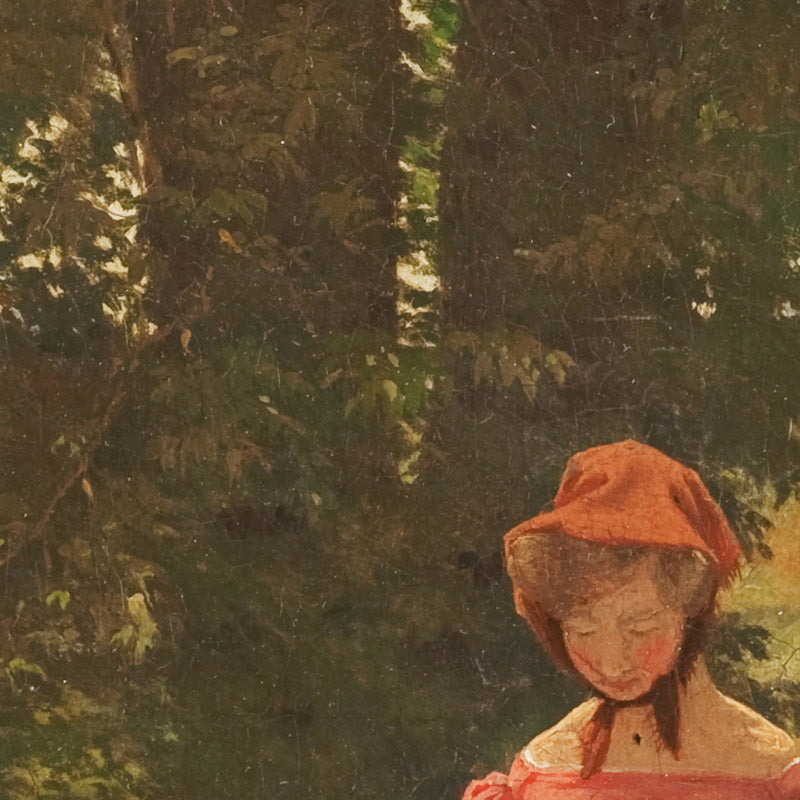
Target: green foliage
(68, 220)
(253, 484)
(507, 358)
(259, 114)
(445, 18)
(712, 119)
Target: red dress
(528, 783)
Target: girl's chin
(628, 690)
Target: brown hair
(559, 570)
(555, 572)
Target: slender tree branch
(71, 476)
(119, 48)
(19, 534)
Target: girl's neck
(694, 695)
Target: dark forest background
(304, 304)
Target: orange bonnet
(629, 493)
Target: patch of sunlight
(415, 339)
(416, 69)
(410, 310)
(10, 177)
(445, 62)
(91, 276)
(114, 209)
(29, 151)
(117, 315)
(404, 204)
(103, 242)
(140, 287)
(766, 594)
(413, 16)
(31, 261)
(57, 127)
(132, 233)
(105, 78)
(415, 271)
(142, 329)
(124, 178)
(786, 311)
(54, 256)
(115, 267)
(705, 310)
(55, 291)
(140, 157)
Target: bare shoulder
(559, 747)
(741, 741)
(754, 735)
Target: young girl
(619, 583)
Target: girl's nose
(614, 656)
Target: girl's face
(623, 638)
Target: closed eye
(581, 632)
(644, 631)
(640, 622)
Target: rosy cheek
(657, 654)
(582, 658)
(577, 654)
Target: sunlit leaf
(145, 626)
(59, 596)
(184, 54)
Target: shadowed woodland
(304, 304)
